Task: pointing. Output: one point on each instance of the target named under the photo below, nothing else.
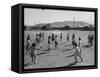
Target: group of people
(76, 46)
(53, 39)
(74, 41)
(31, 46)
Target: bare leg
(76, 59)
(32, 59)
(81, 58)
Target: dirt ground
(58, 57)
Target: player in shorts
(77, 53)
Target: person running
(73, 40)
(61, 36)
(32, 54)
(56, 43)
(77, 53)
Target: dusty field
(58, 57)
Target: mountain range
(62, 25)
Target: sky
(34, 16)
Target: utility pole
(73, 22)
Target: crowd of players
(40, 37)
